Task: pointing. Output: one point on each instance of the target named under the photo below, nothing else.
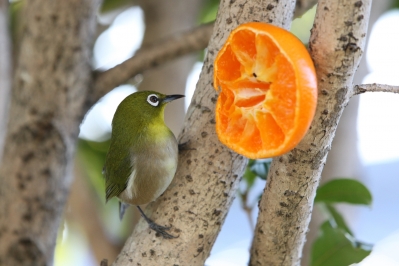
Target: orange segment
(268, 91)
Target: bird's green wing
(117, 169)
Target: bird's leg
(184, 147)
(156, 227)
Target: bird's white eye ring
(153, 100)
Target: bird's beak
(170, 98)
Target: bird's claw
(161, 230)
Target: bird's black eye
(153, 100)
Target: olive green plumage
(142, 157)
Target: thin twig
(156, 54)
(359, 89)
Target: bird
(142, 157)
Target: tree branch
(197, 201)
(50, 84)
(156, 54)
(336, 45)
(359, 89)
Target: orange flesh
(257, 109)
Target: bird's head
(143, 107)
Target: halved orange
(268, 91)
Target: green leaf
(344, 190)
(261, 168)
(249, 178)
(337, 218)
(334, 248)
(209, 11)
(110, 5)
(91, 156)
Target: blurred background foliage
(336, 243)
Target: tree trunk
(343, 159)
(51, 80)
(336, 45)
(205, 184)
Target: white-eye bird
(142, 158)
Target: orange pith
(268, 91)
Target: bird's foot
(161, 230)
(156, 227)
(184, 146)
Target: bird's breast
(153, 170)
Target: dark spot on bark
(343, 38)
(192, 192)
(260, 230)
(351, 47)
(27, 216)
(270, 20)
(175, 194)
(360, 17)
(212, 121)
(217, 150)
(279, 213)
(188, 161)
(277, 173)
(325, 112)
(225, 194)
(210, 163)
(283, 204)
(27, 157)
(152, 252)
(326, 8)
(348, 23)
(33, 111)
(54, 18)
(171, 220)
(214, 100)
(200, 236)
(189, 178)
(26, 252)
(216, 212)
(204, 134)
(229, 20)
(324, 92)
(21, 186)
(270, 7)
(144, 254)
(200, 249)
(358, 4)
(175, 208)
